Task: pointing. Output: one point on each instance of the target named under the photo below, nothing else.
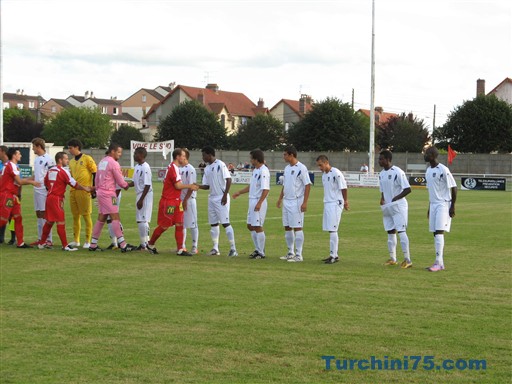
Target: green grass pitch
(108, 317)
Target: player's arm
(264, 195)
(179, 185)
(140, 202)
(241, 192)
(280, 199)
(25, 181)
(224, 199)
(344, 193)
(304, 205)
(402, 194)
(454, 198)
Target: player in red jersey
(9, 201)
(56, 180)
(170, 209)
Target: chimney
(303, 102)
(480, 87)
(200, 97)
(410, 116)
(213, 87)
(261, 103)
(379, 110)
(86, 94)
(92, 94)
(172, 85)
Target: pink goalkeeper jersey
(108, 175)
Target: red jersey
(172, 176)
(56, 181)
(9, 172)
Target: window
(20, 105)
(223, 120)
(143, 98)
(6, 104)
(31, 105)
(104, 110)
(114, 111)
(244, 120)
(54, 109)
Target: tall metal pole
(371, 152)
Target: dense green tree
(330, 125)
(403, 133)
(89, 125)
(263, 131)
(192, 126)
(124, 134)
(20, 125)
(481, 125)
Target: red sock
(46, 232)
(156, 234)
(18, 228)
(61, 230)
(178, 235)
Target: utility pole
(371, 152)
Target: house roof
(294, 105)
(16, 96)
(236, 103)
(152, 92)
(383, 116)
(82, 99)
(124, 117)
(507, 80)
(62, 102)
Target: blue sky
(427, 52)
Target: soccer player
(294, 201)
(83, 169)
(394, 186)
(3, 160)
(56, 180)
(144, 195)
(217, 179)
(258, 191)
(335, 199)
(9, 201)
(442, 191)
(42, 163)
(108, 175)
(170, 209)
(188, 197)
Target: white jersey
(142, 177)
(392, 182)
(296, 177)
(333, 182)
(260, 181)
(188, 176)
(215, 176)
(439, 183)
(42, 164)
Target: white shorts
(40, 199)
(394, 215)
(190, 215)
(144, 214)
(218, 213)
(256, 219)
(292, 215)
(439, 217)
(332, 216)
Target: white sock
(404, 242)
(261, 238)
(214, 233)
(299, 242)
(143, 232)
(254, 236)
(40, 225)
(439, 245)
(290, 240)
(230, 233)
(184, 246)
(194, 233)
(392, 245)
(333, 244)
(147, 233)
(113, 237)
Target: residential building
(502, 91)
(381, 117)
(141, 101)
(22, 101)
(54, 106)
(291, 111)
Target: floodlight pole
(371, 151)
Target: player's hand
(346, 206)
(235, 195)
(140, 204)
(194, 187)
(224, 200)
(278, 205)
(36, 184)
(184, 204)
(304, 207)
(452, 211)
(257, 207)
(93, 194)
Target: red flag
(451, 155)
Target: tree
(481, 125)
(89, 125)
(403, 133)
(330, 125)
(20, 125)
(124, 134)
(263, 131)
(192, 126)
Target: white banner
(241, 177)
(165, 147)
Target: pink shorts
(107, 203)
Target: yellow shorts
(80, 202)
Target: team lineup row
(177, 205)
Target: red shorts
(9, 205)
(55, 209)
(170, 212)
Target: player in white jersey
(217, 179)
(144, 195)
(258, 191)
(394, 186)
(188, 198)
(42, 163)
(335, 199)
(442, 191)
(294, 201)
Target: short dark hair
(258, 155)
(142, 151)
(322, 158)
(177, 152)
(208, 150)
(75, 143)
(291, 150)
(4, 149)
(433, 150)
(11, 152)
(387, 154)
(59, 155)
(113, 147)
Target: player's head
(178, 156)
(208, 154)
(431, 154)
(61, 158)
(3, 152)
(290, 154)
(38, 146)
(322, 163)
(74, 147)
(114, 150)
(385, 158)
(258, 156)
(139, 155)
(14, 154)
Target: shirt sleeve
(69, 179)
(118, 175)
(305, 175)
